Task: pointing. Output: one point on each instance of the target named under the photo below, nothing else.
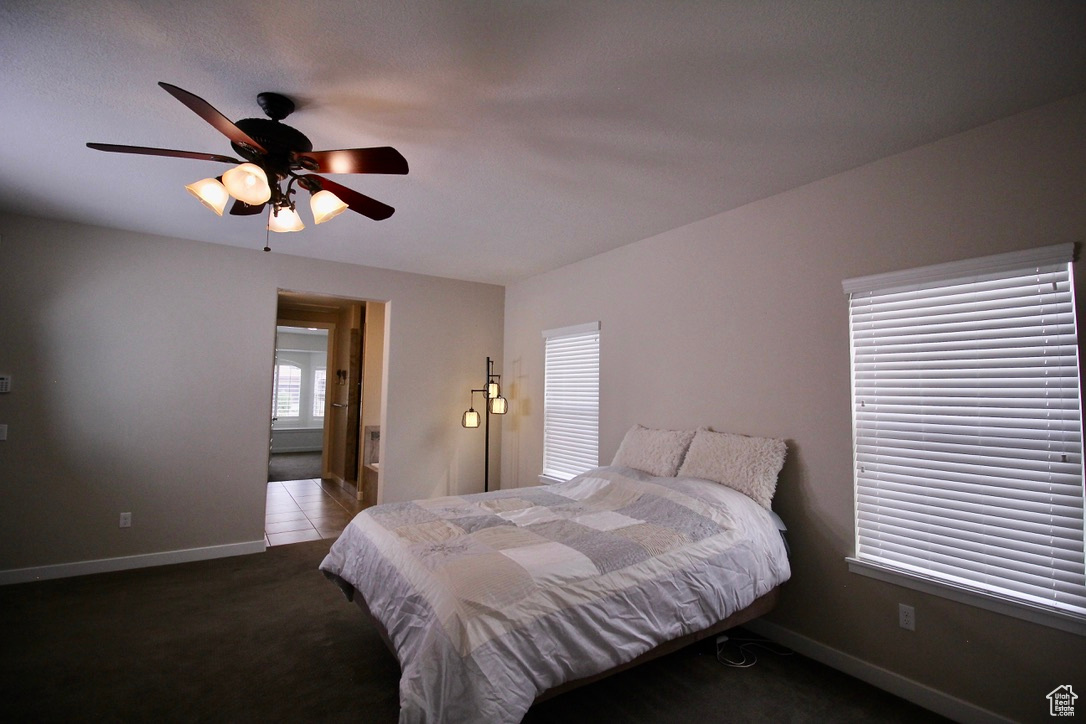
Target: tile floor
(301, 510)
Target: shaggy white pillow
(747, 464)
(657, 452)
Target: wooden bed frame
(759, 607)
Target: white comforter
(491, 599)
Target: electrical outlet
(126, 520)
(906, 617)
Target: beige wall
(142, 380)
(739, 322)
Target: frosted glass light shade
(499, 405)
(471, 418)
(325, 205)
(211, 194)
(247, 183)
(286, 220)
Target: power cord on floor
(744, 648)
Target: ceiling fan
(274, 154)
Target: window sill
(548, 480)
(970, 597)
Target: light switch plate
(3, 432)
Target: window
(319, 381)
(571, 401)
(287, 390)
(968, 433)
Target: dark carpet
(294, 466)
(266, 638)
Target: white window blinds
(320, 379)
(288, 390)
(571, 401)
(968, 430)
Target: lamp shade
(471, 418)
(284, 219)
(211, 194)
(248, 183)
(492, 389)
(325, 205)
(499, 405)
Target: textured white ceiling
(538, 133)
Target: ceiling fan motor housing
(280, 140)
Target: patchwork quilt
(491, 599)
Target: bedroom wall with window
(142, 371)
(299, 399)
(739, 322)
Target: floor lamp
(495, 404)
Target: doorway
(299, 386)
(324, 394)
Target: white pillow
(747, 464)
(657, 452)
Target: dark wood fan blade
(206, 111)
(240, 208)
(114, 148)
(359, 203)
(383, 159)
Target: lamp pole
(486, 433)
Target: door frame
(303, 308)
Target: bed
(493, 601)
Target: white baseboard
(919, 694)
(124, 563)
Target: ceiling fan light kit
(211, 193)
(274, 154)
(284, 220)
(325, 205)
(247, 182)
